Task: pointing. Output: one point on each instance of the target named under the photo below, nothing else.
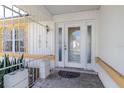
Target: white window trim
(13, 43)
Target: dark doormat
(67, 74)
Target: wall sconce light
(47, 28)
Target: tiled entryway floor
(56, 81)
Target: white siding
(37, 37)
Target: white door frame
(83, 24)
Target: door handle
(65, 47)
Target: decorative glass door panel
(74, 44)
(60, 44)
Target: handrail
(114, 74)
(20, 63)
(26, 55)
(4, 68)
(111, 68)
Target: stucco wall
(111, 42)
(111, 36)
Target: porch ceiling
(62, 9)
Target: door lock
(65, 47)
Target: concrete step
(76, 70)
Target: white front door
(74, 44)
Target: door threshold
(81, 70)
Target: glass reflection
(74, 44)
